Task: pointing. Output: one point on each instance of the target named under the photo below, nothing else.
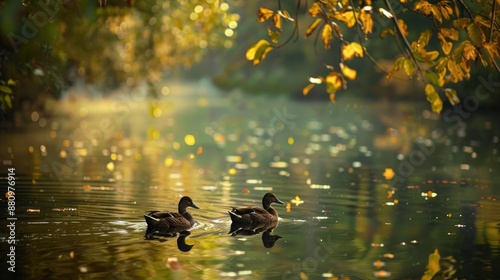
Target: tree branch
(409, 49)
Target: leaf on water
(258, 52)
(313, 26)
(409, 67)
(433, 266)
(326, 35)
(452, 96)
(307, 89)
(433, 98)
(263, 14)
(349, 73)
(461, 23)
(389, 173)
(333, 82)
(315, 9)
(351, 50)
(476, 34)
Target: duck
(256, 217)
(172, 221)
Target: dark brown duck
(172, 220)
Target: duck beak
(195, 206)
(279, 201)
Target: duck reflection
(268, 240)
(164, 235)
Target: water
(87, 172)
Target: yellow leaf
(469, 52)
(445, 9)
(493, 50)
(409, 67)
(263, 14)
(351, 50)
(277, 21)
(258, 52)
(451, 33)
(476, 34)
(347, 17)
(387, 31)
(285, 15)
(333, 82)
(313, 26)
(433, 98)
(349, 73)
(326, 36)
(428, 56)
(403, 26)
(445, 45)
(307, 89)
(461, 23)
(452, 96)
(315, 9)
(367, 21)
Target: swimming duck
(257, 217)
(171, 220)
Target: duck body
(257, 217)
(172, 221)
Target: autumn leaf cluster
(456, 35)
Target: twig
(492, 18)
(407, 44)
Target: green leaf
(8, 101)
(432, 77)
(11, 82)
(476, 34)
(433, 98)
(6, 89)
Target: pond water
(373, 189)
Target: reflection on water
(87, 176)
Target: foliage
(47, 45)
(439, 40)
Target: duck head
(270, 198)
(186, 202)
